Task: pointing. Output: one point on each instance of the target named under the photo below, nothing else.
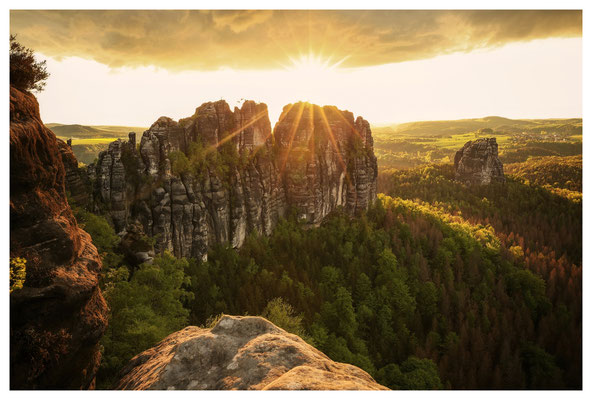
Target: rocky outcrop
(239, 353)
(58, 317)
(220, 174)
(136, 247)
(326, 160)
(76, 180)
(478, 163)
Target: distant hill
(572, 126)
(428, 142)
(77, 131)
(89, 140)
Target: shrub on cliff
(179, 162)
(283, 315)
(25, 72)
(18, 273)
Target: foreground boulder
(240, 353)
(59, 315)
(478, 163)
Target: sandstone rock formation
(136, 247)
(58, 317)
(326, 160)
(239, 353)
(220, 174)
(77, 182)
(478, 163)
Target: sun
(313, 64)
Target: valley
(452, 252)
(275, 236)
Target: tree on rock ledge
(25, 72)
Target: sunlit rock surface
(317, 159)
(239, 353)
(326, 159)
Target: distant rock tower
(478, 163)
(132, 139)
(69, 142)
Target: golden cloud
(206, 40)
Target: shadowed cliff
(59, 315)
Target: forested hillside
(552, 172)
(442, 286)
(538, 222)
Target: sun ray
(253, 154)
(353, 127)
(285, 114)
(231, 135)
(334, 142)
(313, 64)
(282, 48)
(324, 41)
(256, 150)
(293, 129)
(312, 136)
(345, 38)
(288, 23)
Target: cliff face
(220, 174)
(478, 163)
(58, 317)
(239, 353)
(76, 181)
(326, 160)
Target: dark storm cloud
(207, 40)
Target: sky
(131, 67)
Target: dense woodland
(540, 224)
(442, 286)
(559, 174)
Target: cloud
(265, 39)
(240, 20)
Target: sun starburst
(313, 64)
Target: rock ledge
(239, 353)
